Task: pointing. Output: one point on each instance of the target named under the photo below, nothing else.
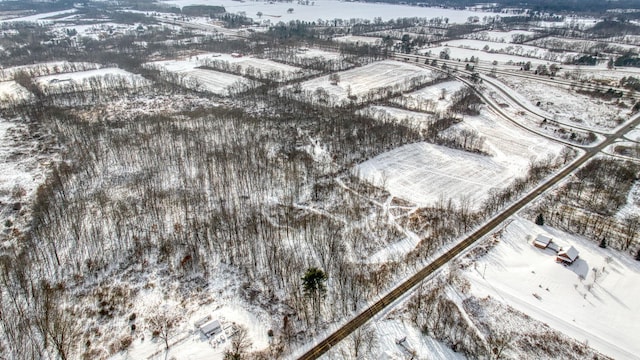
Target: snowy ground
(425, 173)
(22, 169)
(604, 313)
(328, 10)
(187, 342)
(12, 93)
(367, 79)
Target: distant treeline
(202, 10)
(535, 5)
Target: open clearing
(604, 313)
(425, 173)
(370, 78)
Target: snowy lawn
(593, 300)
(425, 173)
(365, 80)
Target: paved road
(514, 71)
(323, 346)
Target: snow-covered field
(48, 68)
(41, 18)
(593, 300)
(425, 173)
(368, 79)
(456, 53)
(500, 36)
(358, 40)
(104, 78)
(315, 53)
(510, 49)
(332, 9)
(12, 93)
(208, 80)
(582, 46)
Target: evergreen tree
(314, 288)
(313, 282)
(603, 243)
(540, 220)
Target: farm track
(359, 320)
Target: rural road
(360, 319)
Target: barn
(568, 256)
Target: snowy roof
(211, 327)
(543, 239)
(571, 253)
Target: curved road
(324, 345)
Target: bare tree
(240, 344)
(364, 342)
(163, 322)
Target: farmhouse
(211, 328)
(567, 256)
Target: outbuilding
(211, 328)
(542, 241)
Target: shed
(542, 241)
(211, 328)
(567, 256)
